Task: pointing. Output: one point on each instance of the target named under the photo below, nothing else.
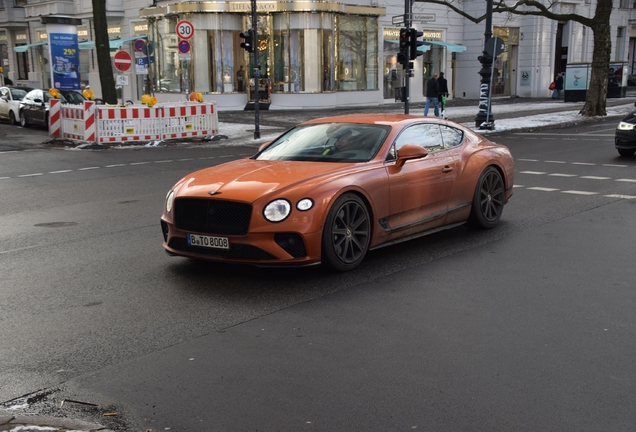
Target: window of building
(393, 73)
(620, 43)
(357, 53)
(167, 66)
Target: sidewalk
(509, 113)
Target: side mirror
(410, 151)
(37, 100)
(263, 146)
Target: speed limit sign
(185, 29)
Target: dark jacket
(432, 88)
(443, 86)
(559, 83)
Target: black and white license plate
(208, 241)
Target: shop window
(357, 53)
(167, 67)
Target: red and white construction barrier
(106, 124)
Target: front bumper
(625, 139)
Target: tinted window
(72, 97)
(424, 135)
(452, 137)
(18, 94)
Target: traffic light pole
(408, 6)
(257, 73)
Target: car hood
(248, 180)
(630, 118)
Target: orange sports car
(331, 189)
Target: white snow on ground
(243, 134)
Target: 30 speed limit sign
(185, 29)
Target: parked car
(331, 189)
(10, 98)
(34, 108)
(625, 136)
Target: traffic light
(248, 44)
(403, 56)
(414, 43)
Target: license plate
(208, 241)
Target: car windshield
(327, 142)
(73, 97)
(18, 94)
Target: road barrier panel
(111, 124)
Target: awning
(24, 48)
(450, 46)
(113, 43)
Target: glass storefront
(505, 63)
(393, 73)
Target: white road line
(615, 166)
(543, 189)
(185, 159)
(533, 172)
(575, 192)
(595, 178)
(620, 196)
(88, 168)
(115, 165)
(517, 186)
(626, 180)
(529, 160)
(59, 172)
(583, 163)
(164, 161)
(9, 151)
(562, 175)
(558, 162)
(31, 175)
(4, 178)
(139, 163)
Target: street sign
(122, 80)
(495, 46)
(139, 45)
(122, 61)
(184, 57)
(423, 17)
(185, 29)
(148, 49)
(398, 20)
(184, 47)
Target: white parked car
(10, 98)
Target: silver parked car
(10, 98)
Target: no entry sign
(122, 61)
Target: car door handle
(447, 169)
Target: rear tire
(626, 152)
(488, 201)
(12, 120)
(346, 234)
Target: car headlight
(625, 126)
(277, 210)
(169, 201)
(304, 204)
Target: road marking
(186, 159)
(627, 180)
(620, 196)
(139, 163)
(88, 168)
(517, 186)
(543, 189)
(583, 163)
(562, 175)
(164, 161)
(533, 172)
(615, 166)
(9, 151)
(4, 178)
(529, 160)
(59, 172)
(595, 178)
(575, 192)
(31, 175)
(115, 165)
(557, 162)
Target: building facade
(311, 54)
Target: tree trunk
(595, 101)
(102, 46)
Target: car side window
(452, 137)
(4, 93)
(424, 135)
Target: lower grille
(211, 216)
(237, 251)
(292, 243)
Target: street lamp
(484, 118)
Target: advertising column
(63, 52)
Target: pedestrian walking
(558, 86)
(443, 93)
(432, 95)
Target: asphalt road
(525, 327)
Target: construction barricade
(112, 124)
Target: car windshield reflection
(327, 142)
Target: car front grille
(236, 251)
(211, 216)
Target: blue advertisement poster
(65, 61)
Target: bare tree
(102, 46)
(595, 102)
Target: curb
(61, 424)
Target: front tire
(23, 120)
(346, 234)
(626, 152)
(488, 201)
(12, 120)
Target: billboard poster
(65, 60)
(576, 77)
